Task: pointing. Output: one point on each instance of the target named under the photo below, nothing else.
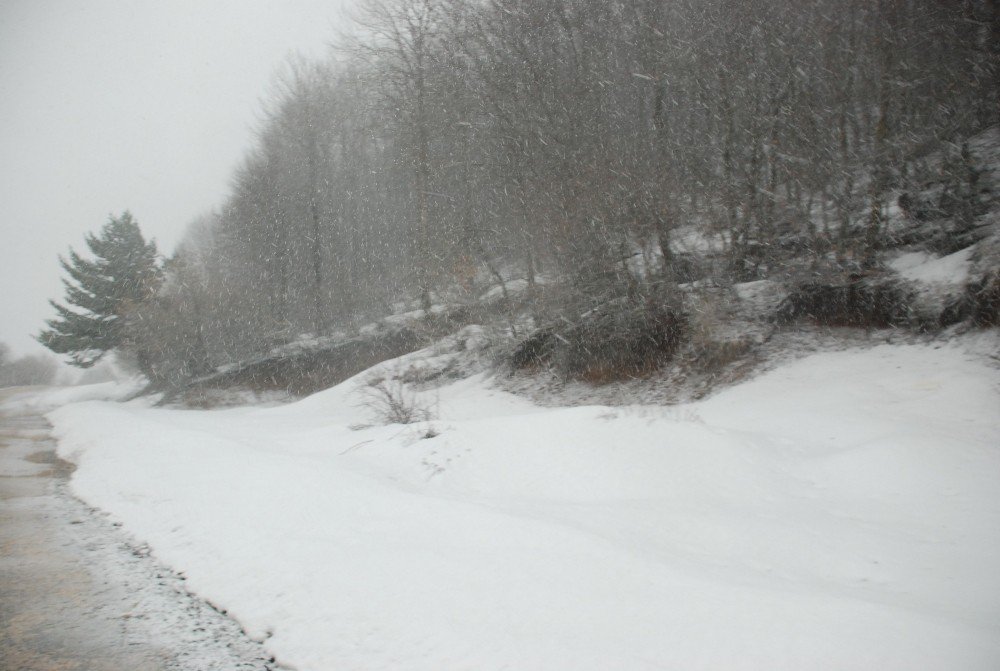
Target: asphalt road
(77, 593)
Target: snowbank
(840, 512)
(47, 398)
(924, 268)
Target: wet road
(76, 592)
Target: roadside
(76, 592)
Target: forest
(576, 147)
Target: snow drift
(842, 511)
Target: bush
(618, 340)
(535, 351)
(980, 304)
(393, 403)
(863, 302)
(985, 298)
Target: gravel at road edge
(77, 593)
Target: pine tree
(104, 294)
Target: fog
(107, 106)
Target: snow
(842, 511)
(305, 343)
(53, 397)
(512, 287)
(928, 269)
(696, 240)
(761, 296)
(369, 329)
(404, 318)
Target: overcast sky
(146, 105)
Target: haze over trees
(26, 370)
(568, 141)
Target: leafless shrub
(393, 403)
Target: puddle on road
(19, 442)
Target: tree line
(31, 369)
(575, 142)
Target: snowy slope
(839, 512)
(924, 268)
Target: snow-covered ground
(924, 268)
(839, 512)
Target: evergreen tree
(104, 294)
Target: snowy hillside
(841, 512)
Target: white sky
(146, 105)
